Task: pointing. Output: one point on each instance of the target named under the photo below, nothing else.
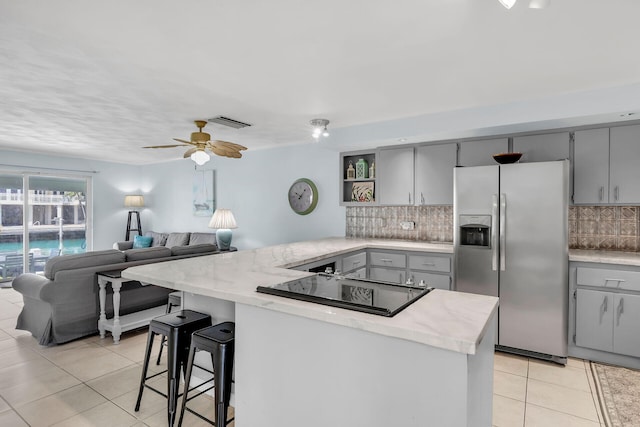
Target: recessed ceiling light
(627, 114)
(402, 140)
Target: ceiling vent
(226, 121)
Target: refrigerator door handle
(494, 233)
(503, 231)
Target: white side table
(119, 324)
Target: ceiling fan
(200, 142)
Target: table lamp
(223, 221)
(133, 201)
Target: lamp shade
(223, 218)
(134, 201)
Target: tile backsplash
(432, 223)
(604, 227)
(590, 227)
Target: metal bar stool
(219, 341)
(175, 300)
(177, 327)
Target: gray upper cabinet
(591, 166)
(396, 176)
(624, 173)
(480, 153)
(542, 148)
(434, 174)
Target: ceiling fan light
(325, 133)
(507, 3)
(200, 157)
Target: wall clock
(303, 196)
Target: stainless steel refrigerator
(511, 241)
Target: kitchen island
(299, 363)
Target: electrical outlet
(407, 225)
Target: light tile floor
(91, 382)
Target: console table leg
(103, 315)
(117, 330)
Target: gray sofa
(63, 305)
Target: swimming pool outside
(70, 246)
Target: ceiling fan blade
(228, 144)
(220, 151)
(184, 141)
(190, 151)
(164, 146)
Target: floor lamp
(133, 201)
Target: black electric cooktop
(384, 299)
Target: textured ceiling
(102, 79)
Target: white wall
(254, 188)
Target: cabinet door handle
(613, 280)
(603, 307)
(616, 193)
(601, 193)
(430, 264)
(421, 198)
(409, 197)
(356, 262)
(619, 311)
(385, 260)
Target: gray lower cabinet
(607, 310)
(608, 321)
(387, 275)
(388, 266)
(354, 265)
(434, 270)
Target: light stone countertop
(605, 257)
(449, 320)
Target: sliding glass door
(51, 220)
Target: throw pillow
(142, 242)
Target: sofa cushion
(177, 239)
(88, 259)
(142, 242)
(159, 239)
(193, 249)
(199, 238)
(147, 253)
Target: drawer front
(388, 260)
(353, 262)
(613, 279)
(387, 275)
(430, 263)
(361, 273)
(438, 281)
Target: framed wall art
(204, 194)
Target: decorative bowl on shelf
(505, 158)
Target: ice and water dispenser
(475, 230)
